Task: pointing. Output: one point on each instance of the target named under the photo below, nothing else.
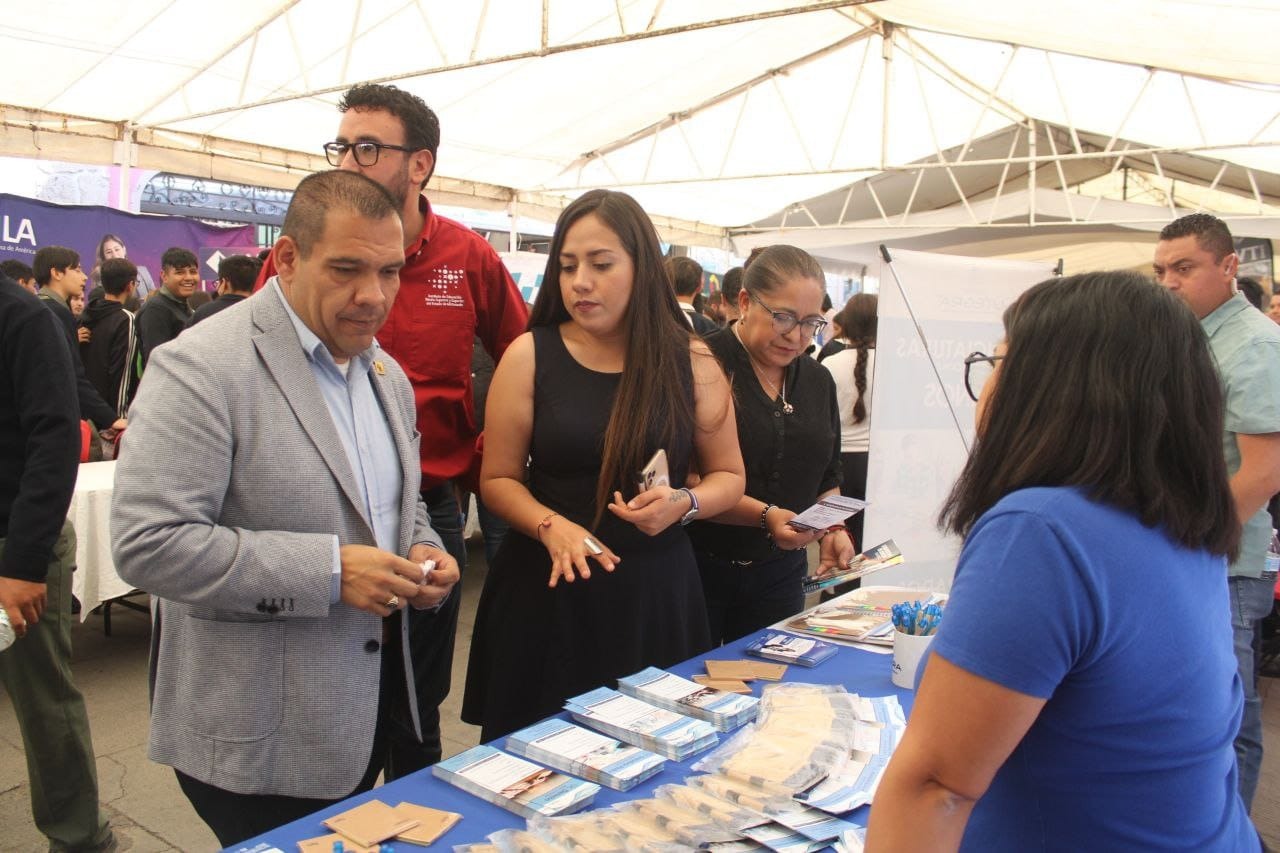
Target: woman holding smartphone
(752, 562)
(595, 580)
(1082, 691)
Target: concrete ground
(150, 813)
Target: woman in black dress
(752, 562)
(595, 580)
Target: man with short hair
(1195, 258)
(21, 273)
(686, 277)
(57, 271)
(39, 452)
(715, 308)
(236, 274)
(108, 355)
(283, 680)
(163, 317)
(454, 288)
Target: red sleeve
(501, 315)
(268, 270)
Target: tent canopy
(717, 114)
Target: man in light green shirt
(1195, 259)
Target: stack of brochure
(515, 784)
(573, 749)
(726, 711)
(643, 725)
(847, 619)
(788, 648)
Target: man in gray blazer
(266, 490)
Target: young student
(108, 356)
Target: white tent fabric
(715, 114)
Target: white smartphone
(655, 473)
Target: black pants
(431, 634)
(743, 599)
(234, 817)
(853, 485)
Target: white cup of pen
(914, 626)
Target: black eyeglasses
(978, 367)
(366, 152)
(785, 321)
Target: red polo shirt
(453, 288)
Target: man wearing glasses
(453, 289)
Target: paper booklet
(726, 711)
(641, 724)
(882, 556)
(514, 784)
(560, 744)
(831, 511)
(788, 648)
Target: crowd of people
(305, 582)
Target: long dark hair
(858, 321)
(1107, 384)
(649, 403)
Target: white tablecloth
(95, 579)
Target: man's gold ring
(393, 602)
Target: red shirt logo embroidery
(444, 288)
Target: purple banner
(27, 224)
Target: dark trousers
(493, 528)
(853, 485)
(743, 599)
(36, 674)
(396, 750)
(431, 635)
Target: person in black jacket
(686, 278)
(165, 314)
(39, 437)
(236, 275)
(108, 355)
(57, 271)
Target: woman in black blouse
(752, 562)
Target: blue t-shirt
(1127, 635)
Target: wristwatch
(693, 507)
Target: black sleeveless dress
(532, 646)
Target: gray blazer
(231, 484)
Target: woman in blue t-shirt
(1082, 691)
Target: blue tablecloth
(860, 672)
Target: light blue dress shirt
(1246, 346)
(366, 435)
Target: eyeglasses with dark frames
(785, 321)
(978, 367)
(366, 153)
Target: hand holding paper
(438, 572)
(828, 513)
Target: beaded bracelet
(763, 526)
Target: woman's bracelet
(764, 515)
(546, 522)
